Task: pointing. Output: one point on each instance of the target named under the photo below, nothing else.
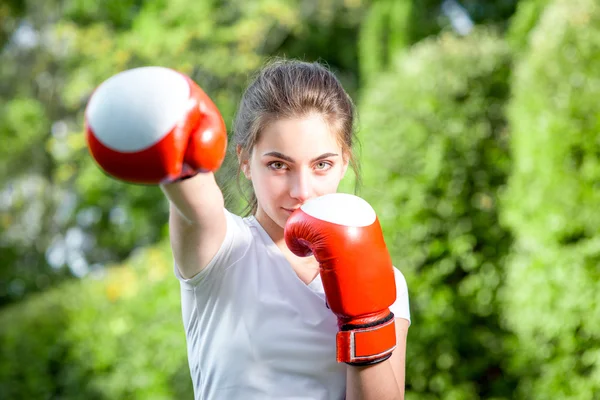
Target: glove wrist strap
(366, 344)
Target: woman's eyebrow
(291, 160)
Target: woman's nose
(301, 186)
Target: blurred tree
(11, 11)
(59, 215)
(384, 31)
(391, 25)
(328, 33)
(436, 156)
(524, 20)
(29, 105)
(551, 205)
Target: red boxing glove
(343, 233)
(154, 125)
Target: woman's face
(294, 160)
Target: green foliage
(393, 25)
(436, 155)
(328, 33)
(118, 13)
(551, 205)
(491, 13)
(525, 19)
(110, 337)
(555, 120)
(22, 122)
(383, 32)
(10, 13)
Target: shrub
(384, 31)
(436, 155)
(552, 206)
(523, 21)
(120, 336)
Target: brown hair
(286, 89)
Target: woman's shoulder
(236, 243)
(243, 228)
(401, 307)
(238, 222)
(401, 285)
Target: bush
(384, 31)
(552, 206)
(523, 21)
(436, 154)
(120, 336)
(390, 26)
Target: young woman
(298, 300)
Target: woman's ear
(243, 161)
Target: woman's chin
(283, 219)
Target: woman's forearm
(373, 382)
(197, 199)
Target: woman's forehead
(299, 134)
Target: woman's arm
(381, 381)
(197, 223)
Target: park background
(479, 124)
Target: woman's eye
(276, 165)
(323, 166)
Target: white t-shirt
(255, 331)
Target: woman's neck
(274, 231)
(305, 267)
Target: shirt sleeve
(235, 244)
(401, 308)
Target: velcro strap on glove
(366, 345)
